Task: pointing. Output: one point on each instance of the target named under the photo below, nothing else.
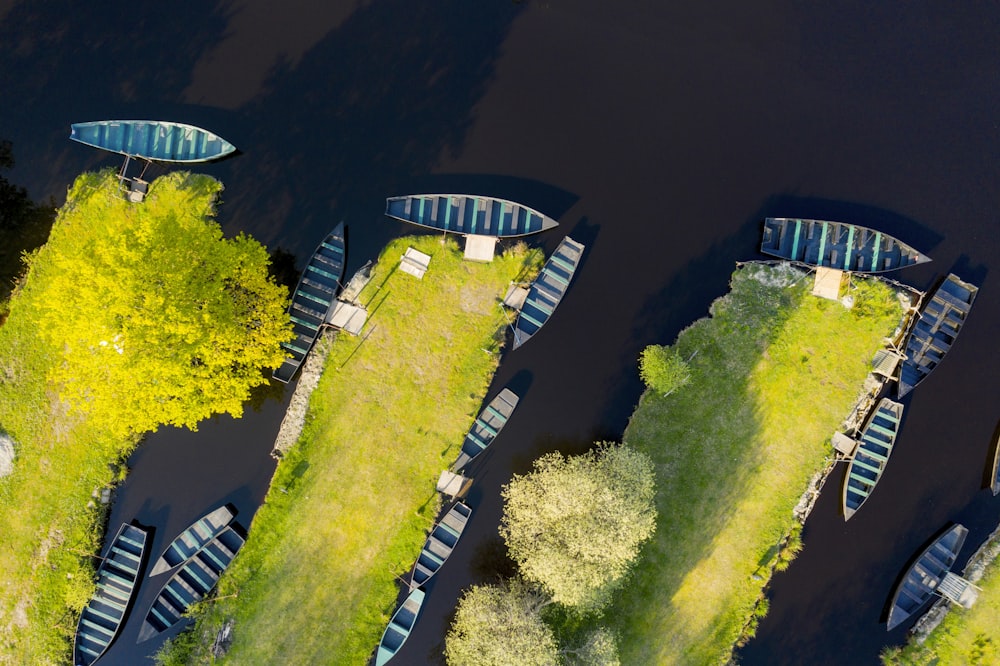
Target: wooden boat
(871, 455)
(547, 290)
(193, 539)
(191, 583)
(117, 577)
(440, 542)
(924, 576)
(847, 247)
(156, 140)
(934, 332)
(399, 627)
(313, 300)
(468, 214)
(487, 426)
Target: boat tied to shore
(193, 539)
(468, 214)
(934, 332)
(153, 140)
(846, 247)
(399, 627)
(191, 583)
(547, 290)
(117, 577)
(925, 575)
(871, 455)
(313, 300)
(487, 426)
(440, 542)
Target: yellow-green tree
(156, 317)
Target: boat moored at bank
(487, 426)
(193, 539)
(399, 627)
(153, 140)
(871, 455)
(440, 542)
(468, 214)
(547, 290)
(924, 576)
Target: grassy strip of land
(963, 636)
(349, 506)
(774, 372)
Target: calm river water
(659, 133)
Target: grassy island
(350, 504)
(117, 327)
(773, 372)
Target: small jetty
(313, 300)
(871, 455)
(399, 627)
(191, 583)
(846, 247)
(117, 577)
(487, 426)
(924, 577)
(193, 539)
(934, 332)
(547, 290)
(468, 214)
(440, 542)
(153, 140)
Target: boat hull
(191, 583)
(117, 578)
(924, 575)
(934, 332)
(547, 290)
(192, 539)
(313, 300)
(871, 455)
(487, 427)
(440, 543)
(846, 247)
(399, 627)
(468, 214)
(160, 141)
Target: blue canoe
(871, 455)
(440, 542)
(313, 300)
(547, 290)
(191, 540)
(468, 214)
(487, 426)
(924, 576)
(157, 140)
(847, 247)
(399, 627)
(191, 583)
(116, 581)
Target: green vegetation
(349, 506)
(663, 370)
(774, 372)
(963, 637)
(50, 522)
(574, 525)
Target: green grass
(349, 506)
(774, 373)
(963, 637)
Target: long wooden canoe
(547, 290)
(313, 300)
(934, 332)
(440, 542)
(923, 577)
(117, 577)
(468, 214)
(158, 140)
(871, 455)
(846, 247)
(487, 426)
(193, 539)
(191, 583)
(399, 627)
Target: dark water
(661, 135)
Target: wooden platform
(415, 263)
(347, 317)
(480, 248)
(828, 281)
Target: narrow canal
(661, 135)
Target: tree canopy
(156, 317)
(663, 369)
(575, 524)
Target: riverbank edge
(790, 543)
(212, 634)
